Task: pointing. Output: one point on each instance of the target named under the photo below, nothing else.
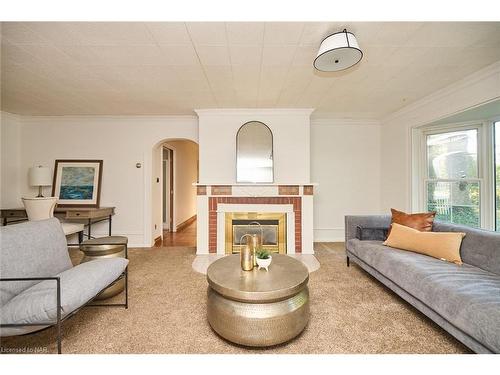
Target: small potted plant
(264, 258)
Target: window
(453, 185)
(456, 171)
(497, 175)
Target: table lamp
(40, 176)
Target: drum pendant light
(338, 51)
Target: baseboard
(186, 223)
(329, 234)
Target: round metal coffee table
(258, 308)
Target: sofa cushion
(80, 284)
(31, 249)
(440, 245)
(480, 248)
(353, 223)
(420, 221)
(467, 296)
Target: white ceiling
(119, 68)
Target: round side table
(258, 308)
(106, 247)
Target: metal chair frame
(59, 318)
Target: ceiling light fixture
(338, 51)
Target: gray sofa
(462, 299)
(39, 287)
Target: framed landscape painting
(77, 183)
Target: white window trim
(486, 173)
(492, 122)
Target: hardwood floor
(185, 237)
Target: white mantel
(256, 190)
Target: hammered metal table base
(258, 324)
(112, 291)
(105, 247)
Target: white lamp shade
(338, 51)
(40, 176)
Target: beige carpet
(350, 313)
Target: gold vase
(246, 258)
(255, 242)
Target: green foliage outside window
(452, 168)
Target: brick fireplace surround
(212, 215)
(213, 201)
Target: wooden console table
(87, 216)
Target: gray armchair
(39, 287)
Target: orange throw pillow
(441, 245)
(421, 221)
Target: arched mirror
(254, 153)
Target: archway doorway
(175, 171)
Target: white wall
(120, 141)
(10, 153)
(217, 134)
(476, 89)
(345, 161)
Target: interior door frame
(171, 190)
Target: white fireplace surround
(222, 209)
(292, 189)
(240, 198)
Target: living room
(250, 186)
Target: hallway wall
(185, 175)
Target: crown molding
(344, 121)
(321, 115)
(444, 92)
(253, 111)
(159, 118)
